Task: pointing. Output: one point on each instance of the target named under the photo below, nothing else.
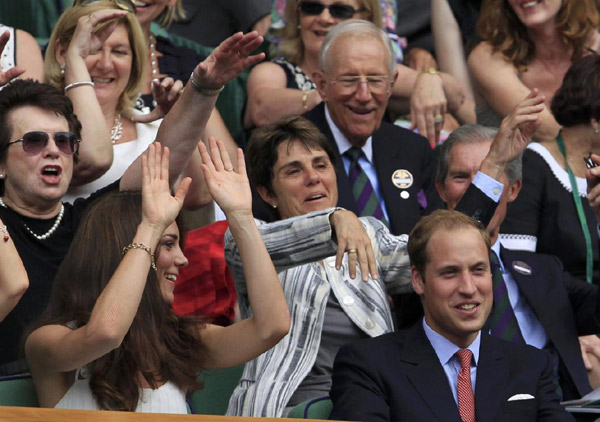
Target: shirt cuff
(490, 186)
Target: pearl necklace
(116, 132)
(153, 63)
(49, 232)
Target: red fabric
(205, 287)
(466, 400)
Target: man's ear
(266, 196)
(321, 83)
(440, 189)
(515, 188)
(417, 281)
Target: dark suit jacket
(397, 148)
(398, 377)
(566, 307)
(393, 148)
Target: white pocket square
(521, 397)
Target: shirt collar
(445, 349)
(343, 143)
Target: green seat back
(219, 384)
(318, 408)
(18, 391)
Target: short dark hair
(27, 92)
(428, 225)
(261, 154)
(577, 100)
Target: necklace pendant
(6, 238)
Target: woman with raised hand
(527, 45)
(109, 338)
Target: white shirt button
(369, 324)
(348, 300)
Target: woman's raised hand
(85, 41)
(159, 207)
(228, 60)
(230, 189)
(166, 92)
(9, 74)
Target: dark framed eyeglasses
(34, 142)
(336, 10)
(121, 4)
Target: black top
(177, 62)
(41, 259)
(295, 76)
(545, 210)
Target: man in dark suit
(355, 80)
(445, 368)
(550, 307)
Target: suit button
(348, 300)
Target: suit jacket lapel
(491, 379)
(427, 376)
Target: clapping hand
(228, 60)
(85, 41)
(166, 92)
(159, 207)
(9, 74)
(230, 189)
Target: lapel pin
(521, 267)
(402, 179)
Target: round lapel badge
(402, 179)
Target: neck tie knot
(464, 356)
(354, 153)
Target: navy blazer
(393, 148)
(398, 377)
(566, 307)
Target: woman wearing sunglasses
(109, 338)
(285, 85)
(102, 42)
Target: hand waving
(9, 74)
(228, 60)
(85, 41)
(229, 188)
(166, 93)
(159, 207)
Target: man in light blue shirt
(550, 307)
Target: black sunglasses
(34, 142)
(121, 4)
(336, 10)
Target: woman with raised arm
(527, 45)
(109, 338)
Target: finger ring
(438, 118)
(229, 169)
(351, 250)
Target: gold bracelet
(431, 71)
(305, 100)
(142, 247)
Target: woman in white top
(103, 43)
(111, 315)
(21, 52)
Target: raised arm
(245, 340)
(449, 47)
(95, 149)
(29, 56)
(269, 98)
(55, 348)
(7, 75)
(13, 277)
(498, 82)
(183, 126)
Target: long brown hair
(499, 25)
(160, 345)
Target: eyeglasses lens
(337, 11)
(34, 142)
